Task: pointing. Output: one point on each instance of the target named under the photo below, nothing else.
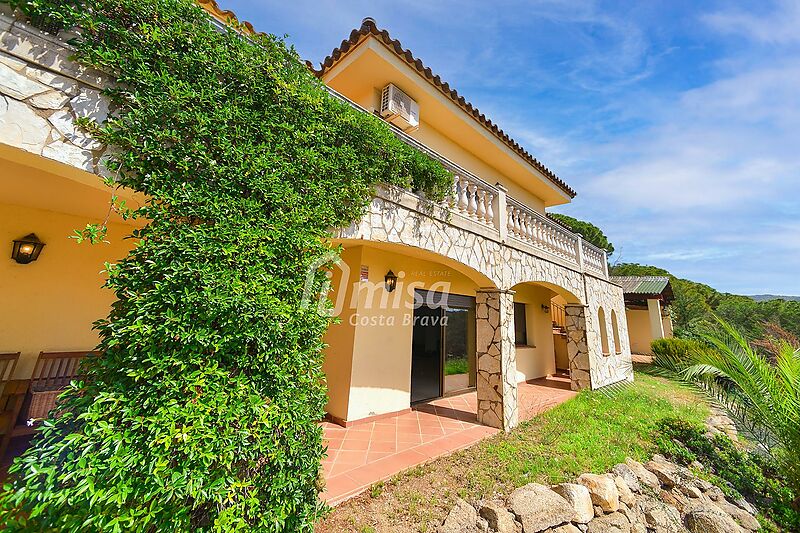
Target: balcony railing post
(580, 253)
(501, 214)
(605, 263)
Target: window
(601, 319)
(520, 325)
(615, 331)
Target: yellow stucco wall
(538, 358)
(368, 357)
(50, 304)
(443, 126)
(639, 330)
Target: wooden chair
(12, 394)
(11, 401)
(51, 376)
(8, 363)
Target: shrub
(203, 412)
(674, 349)
(739, 472)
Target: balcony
(489, 210)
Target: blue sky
(677, 122)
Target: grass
(456, 366)
(590, 433)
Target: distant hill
(768, 297)
(697, 304)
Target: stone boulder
(744, 519)
(566, 528)
(666, 473)
(499, 518)
(463, 518)
(702, 520)
(538, 508)
(579, 498)
(625, 472)
(610, 523)
(625, 493)
(603, 491)
(642, 474)
(662, 518)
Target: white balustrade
(535, 229)
(474, 199)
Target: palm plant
(761, 396)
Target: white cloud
(779, 26)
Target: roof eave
(369, 29)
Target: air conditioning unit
(399, 109)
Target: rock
(742, 517)
(644, 475)
(663, 518)
(625, 494)
(69, 154)
(582, 528)
(610, 523)
(90, 104)
(17, 85)
(715, 493)
(598, 511)
(463, 518)
(499, 518)
(602, 490)
(709, 521)
(691, 491)
(703, 485)
(625, 472)
(49, 100)
(579, 498)
(675, 499)
(566, 528)
(21, 127)
(633, 514)
(665, 473)
(538, 508)
(747, 506)
(696, 465)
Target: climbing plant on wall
(202, 412)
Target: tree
(589, 231)
(761, 397)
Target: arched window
(601, 319)
(615, 331)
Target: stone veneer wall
(496, 359)
(616, 366)
(577, 347)
(42, 93)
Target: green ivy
(202, 413)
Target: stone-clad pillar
(577, 347)
(496, 359)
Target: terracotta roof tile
(368, 27)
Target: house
(480, 293)
(647, 300)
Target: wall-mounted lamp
(545, 308)
(391, 281)
(27, 249)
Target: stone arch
(615, 331)
(479, 278)
(391, 222)
(603, 326)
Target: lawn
(590, 433)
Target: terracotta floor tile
(388, 446)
